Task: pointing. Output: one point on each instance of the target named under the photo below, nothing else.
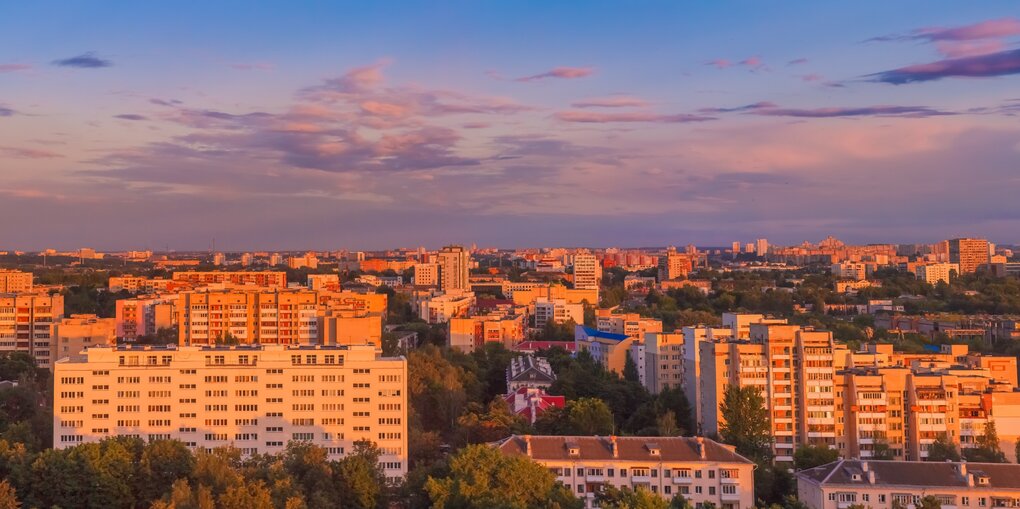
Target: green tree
(987, 447)
(482, 476)
(590, 416)
(810, 456)
(666, 425)
(1016, 450)
(942, 449)
(493, 423)
(251, 495)
(928, 502)
(162, 462)
(630, 370)
(612, 497)
(746, 423)
(360, 479)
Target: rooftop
(629, 448)
(914, 473)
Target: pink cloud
(990, 29)
(29, 153)
(956, 49)
(568, 73)
(812, 77)
(384, 109)
(754, 61)
(5, 68)
(592, 117)
(719, 63)
(614, 101)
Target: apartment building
(15, 281)
(426, 274)
(470, 332)
(701, 470)
(454, 267)
(256, 398)
(137, 284)
(145, 316)
(356, 301)
(888, 484)
(268, 316)
(969, 254)
(557, 310)
(441, 308)
(587, 271)
(673, 265)
(72, 335)
(932, 273)
(267, 279)
(663, 361)
(608, 349)
(323, 282)
(524, 294)
(631, 325)
(349, 327)
(25, 324)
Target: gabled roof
(629, 448)
(913, 473)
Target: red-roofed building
(529, 402)
(534, 346)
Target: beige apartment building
(664, 361)
(145, 316)
(631, 325)
(587, 272)
(673, 265)
(348, 327)
(969, 254)
(701, 470)
(885, 484)
(268, 279)
(272, 316)
(454, 268)
(136, 284)
(371, 303)
(256, 398)
(15, 281)
(471, 332)
(72, 335)
(25, 323)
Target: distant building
(15, 281)
(454, 267)
(587, 271)
(426, 274)
(266, 279)
(969, 254)
(559, 311)
(887, 484)
(348, 327)
(673, 265)
(25, 321)
(264, 316)
(319, 282)
(441, 308)
(701, 470)
(933, 273)
(529, 371)
(761, 247)
(607, 348)
(72, 335)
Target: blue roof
(595, 333)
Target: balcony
(730, 497)
(595, 478)
(639, 479)
(683, 480)
(731, 480)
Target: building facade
(26, 321)
(255, 398)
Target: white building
(932, 273)
(587, 271)
(426, 274)
(454, 262)
(441, 308)
(557, 310)
(699, 469)
(256, 398)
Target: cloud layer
(84, 61)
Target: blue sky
(367, 125)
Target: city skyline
(506, 124)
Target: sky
(368, 125)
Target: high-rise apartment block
(426, 274)
(15, 281)
(673, 265)
(248, 316)
(256, 398)
(25, 324)
(933, 273)
(587, 271)
(453, 262)
(969, 254)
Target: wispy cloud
(719, 63)
(592, 117)
(962, 41)
(131, 116)
(28, 153)
(252, 66)
(1003, 63)
(797, 61)
(862, 111)
(753, 63)
(6, 68)
(85, 61)
(613, 101)
(568, 73)
(6, 112)
(738, 109)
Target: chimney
(616, 449)
(871, 477)
(963, 468)
(701, 447)
(527, 445)
(864, 466)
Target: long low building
(881, 484)
(698, 468)
(256, 398)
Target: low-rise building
(701, 470)
(72, 335)
(608, 349)
(15, 281)
(441, 308)
(887, 484)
